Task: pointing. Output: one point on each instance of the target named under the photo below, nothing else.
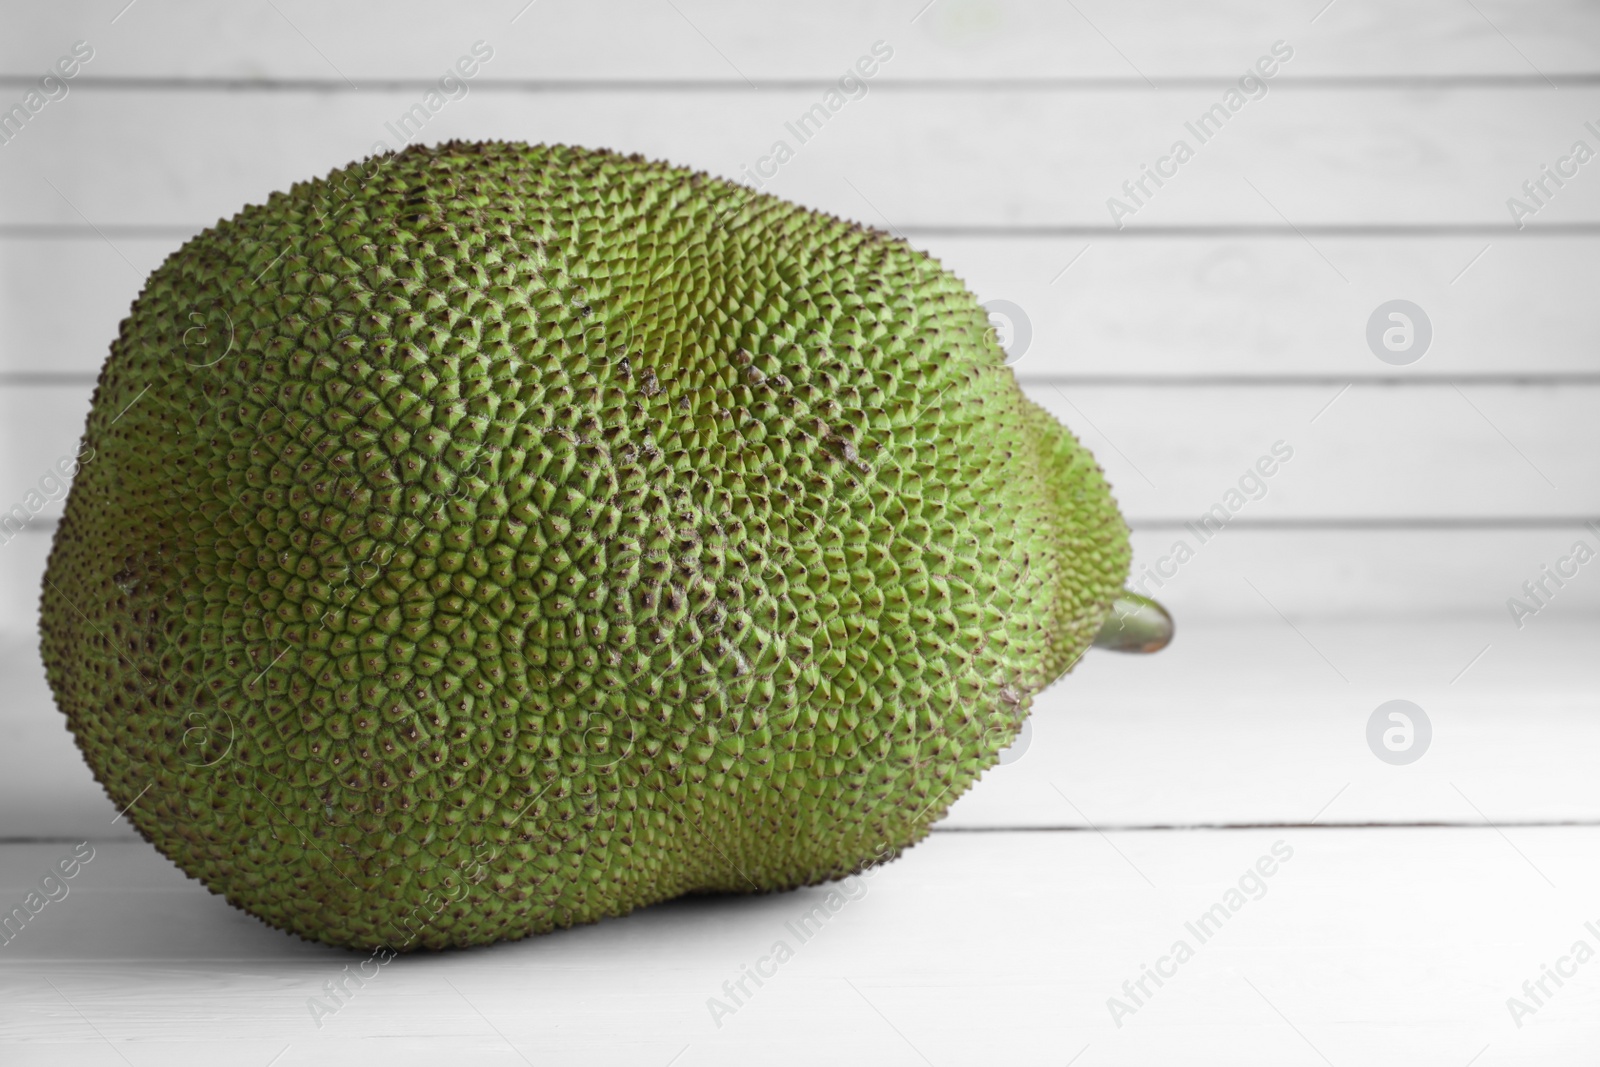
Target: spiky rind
(490, 538)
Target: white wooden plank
(1224, 306)
(953, 38)
(1140, 306)
(40, 432)
(1236, 723)
(22, 562)
(1374, 451)
(1174, 453)
(1351, 573)
(1397, 946)
(1315, 156)
(1267, 722)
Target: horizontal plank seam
(44, 525)
(45, 379)
(1424, 824)
(745, 87)
(1520, 378)
(1477, 522)
(1106, 231)
(33, 231)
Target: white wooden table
(1416, 900)
(1369, 946)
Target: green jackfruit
(490, 538)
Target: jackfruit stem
(1136, 624)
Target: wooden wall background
(1228, 314)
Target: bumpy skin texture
(492, 538)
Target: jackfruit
(489, 538)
